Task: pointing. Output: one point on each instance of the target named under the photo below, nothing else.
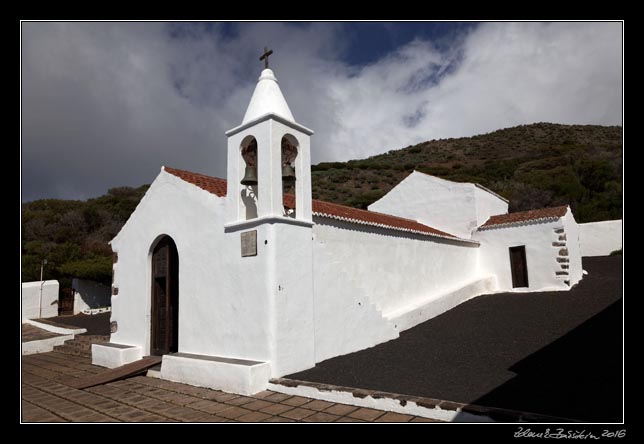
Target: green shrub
(96, 269)
(366, 199)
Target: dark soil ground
(555, 353)
(98, 324)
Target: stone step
(81, 345)
(78, 345)
(92, 339)
(67, 350)
(84, 345)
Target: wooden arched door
(165, 298)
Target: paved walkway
(45, 398)
(554, 353)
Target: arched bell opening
(248, 195)
(289, 173)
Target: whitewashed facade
(457, 208)
(259, 284)
(552, 252)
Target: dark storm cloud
(106, 104)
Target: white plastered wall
(223, 309)
(600, 238)
(542, 247)
(364, 273)
(31, 299)
(488, 204)
(456, 208)
(573, 245)
(286, 242)
(90, 294)
(291, 298)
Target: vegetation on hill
(534, 166)
(73, 235)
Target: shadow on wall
(90, 294)
(578, 376)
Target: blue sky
(105, 104)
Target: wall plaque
(249, 243)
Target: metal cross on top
(264, 56)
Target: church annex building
(236, 281)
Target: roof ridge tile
(217, 186)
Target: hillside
(73, 235)
(534, 166)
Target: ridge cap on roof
(371, 212)
(421, 227)
(484, 188)
(166, 168)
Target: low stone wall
(31, 299)
(600, 238)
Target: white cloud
(106, 104)
(501, 75)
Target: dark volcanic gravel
(98, 324)
(555, 353)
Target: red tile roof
(211, 184)
(355, 215)
(218, 187)
(525, 216)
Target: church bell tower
(269, 214)
(269, 158)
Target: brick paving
(47, 398)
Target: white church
(234, 282)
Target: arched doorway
(165, 298)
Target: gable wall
(487, 205)
(220, 310)
(447, 206)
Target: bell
(288, 173)
(250, 176)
